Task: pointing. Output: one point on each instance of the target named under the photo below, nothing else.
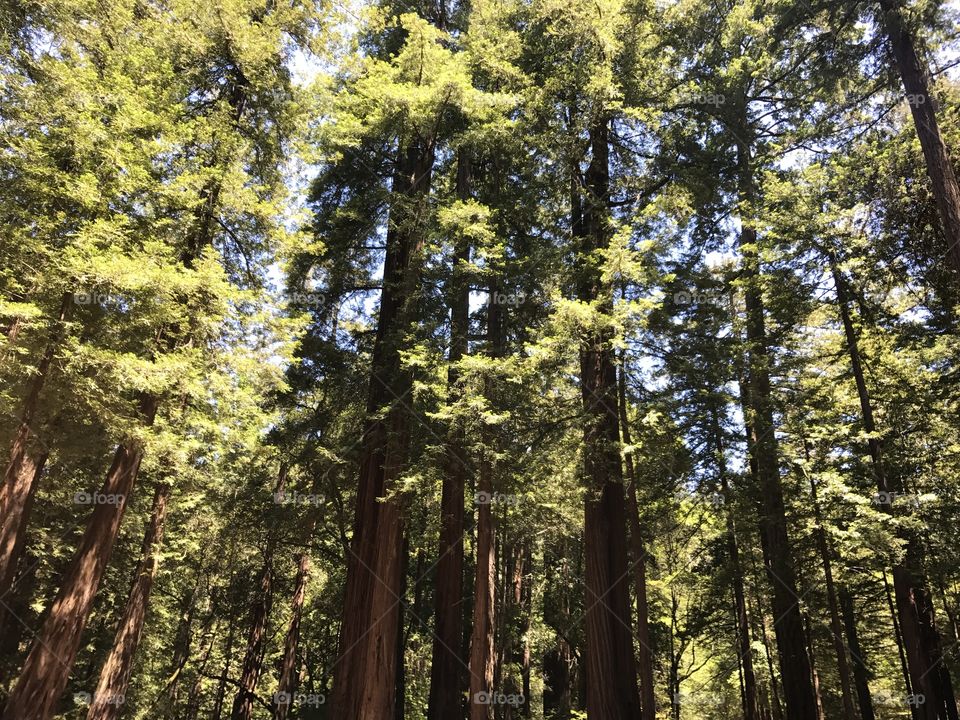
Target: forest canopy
(479, 359)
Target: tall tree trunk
(115, 674)
(25, 466)
(861, 676)
(751, 707)
(220, 696)
(256, 641)
(836, 628)
(923, 106)
(12, 631)
(365, 678)
(610, 665)
(482, 655)
(287, 684)
(46, 670)
(791, 646)
(446, 669)
(921, 641)
(648, 698)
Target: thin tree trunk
(481, 644)
(287, 684)
(836, 628)
(446, 669)
(365, 677)
(256, 641)
(46, 670)
(923, 106)
(610, 665)
(221, 694)
(921, 641)
(861, 676)
(792, 651)
(751, 707)
(115, 674)
(648, 701)
(399, 707)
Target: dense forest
(479, 359)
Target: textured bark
(482, 655)
(287, 684)
(928, 673)
(648, 702)
(923, 106)
(115, 674)
(256, 642)
(9, 629)
(792, 651)
(447, 680)
(861, 676)
(365, 675)
(610, 665)
(46, 670)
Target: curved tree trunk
(46, 670)
(923, 106)
(24, 469)
(256, 642)
(107, 701)
(287, 684)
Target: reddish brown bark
(365, 674)
(256, 642)
(24, 469)
(648, 703)
(923, 106)
(107, 701)
(287, 684)
(610, 664)
(446, 670)
(482, 655)
(47, 667)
